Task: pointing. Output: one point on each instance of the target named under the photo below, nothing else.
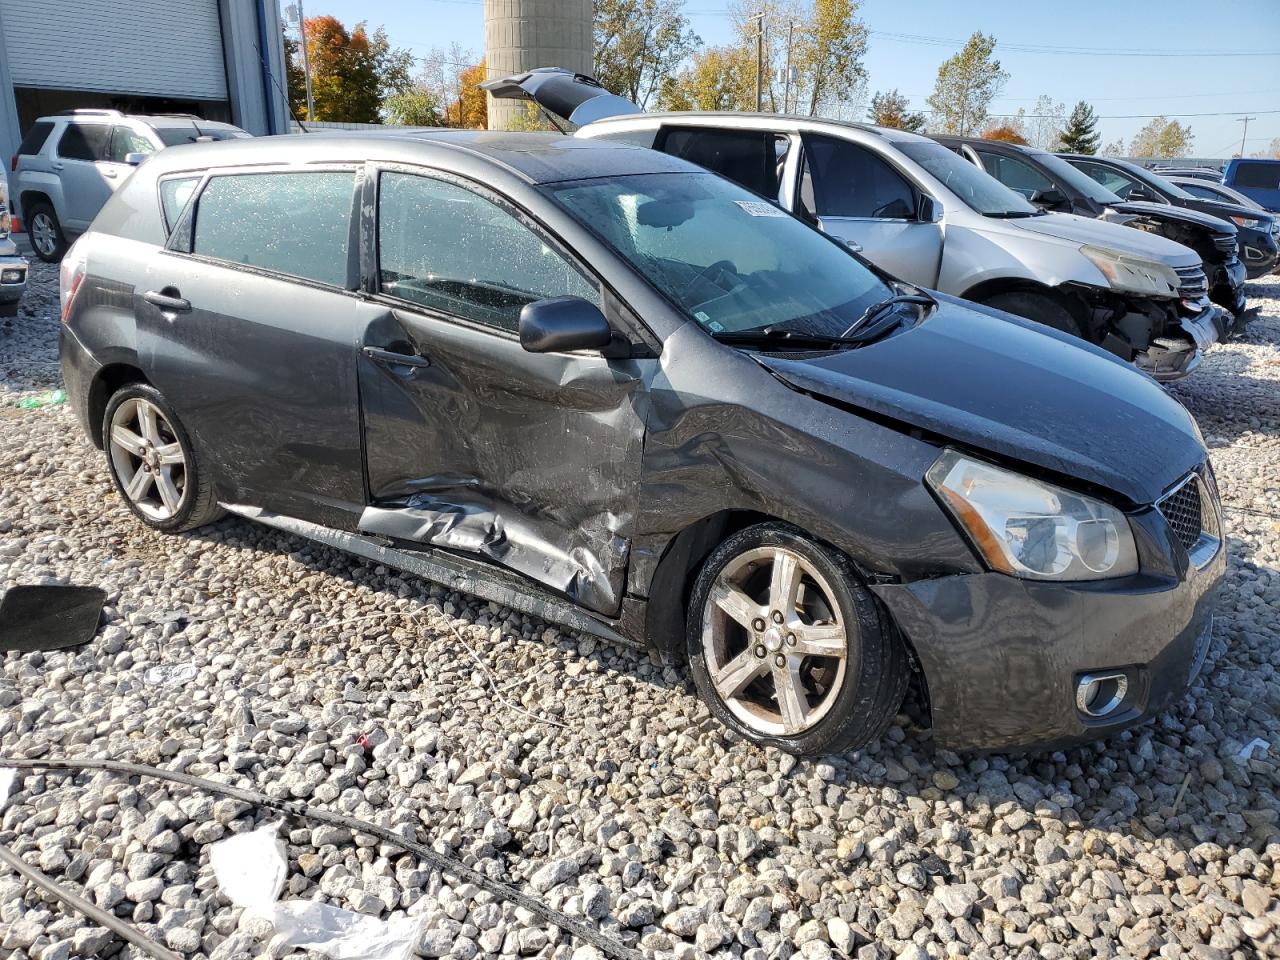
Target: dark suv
(1052, 184)
(599, 384)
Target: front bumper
(1001, 656)
(1226, 285)
(1172, 358)
(1260, 253)
(11, 290)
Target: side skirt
(449, 570)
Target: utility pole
(759, 61)
(1245, 134)
(294, 10)
(786, 88)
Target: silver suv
(69, 164)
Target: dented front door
(472, 443)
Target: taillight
(71, 274)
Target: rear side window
(33, 142)
(84, 141)
(1258, 176)
(451, 250)
(125, 141)
(297, 224)
(174, 195)
(847, 180)
(752, 158)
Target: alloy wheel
(44, 234)
(775, 647)
(148, 459)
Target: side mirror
(563, 324)
(1140, 193)
(1049, 199)
(133, 159)
(930, 210)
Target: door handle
(57, 166)
(167, 303)
(392, 359)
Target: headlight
(1249, 222)
(1031, 529)
(15, 275)
(1133, 274)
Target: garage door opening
(34, 103)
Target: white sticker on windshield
(760, 208)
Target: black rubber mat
(49, 617)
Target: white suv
(69, 164)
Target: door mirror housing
(930, 210)
(133, 159)
(563, 324)
(1049, 199)
(1141, 193)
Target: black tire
(199, 500)
(1037, 307)
(876, 670)
(59, 249)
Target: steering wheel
(721, 266)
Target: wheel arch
(983, 291)
(106, 382)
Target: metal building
(522, 34)
(217, 59)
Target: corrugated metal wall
(169, 48)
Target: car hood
(1000, 384)
(1164, 211)
(1113, 236)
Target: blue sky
(1116, 85)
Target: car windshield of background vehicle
(174, 136)
(729, 260)
(1076, 178)
(981, 191)
(1164, 186)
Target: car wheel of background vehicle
(788, 649)
(153, 464)
(1034, 306)
(45, 232)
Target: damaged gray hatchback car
(599, 384)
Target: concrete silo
(522, 34)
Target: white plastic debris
(1256, 744)
(6, 784)
(170, 675)
(250, 869)
(344, 935)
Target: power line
(1073, 51)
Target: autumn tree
(1162, 138)
(892, 109)
(1006, 132)
(472, 107)
(1081, 132)
(717, 78)
(966, 85)
(636, 42)
(1271, 152)
(828, 59)
(415, 107)
(353, 71)
(1113, 149)
(295, 77)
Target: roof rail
(183, 116)
(89, 112)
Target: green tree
(353, 72)
(636, 41)
(892, 109)
(966, 85)
(1162, 138)
(1081, 132)
(717, 78)
(417, 106)
(833, 41)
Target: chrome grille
(1192, 284)
(1225, 243)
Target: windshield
(981, 191)
(1160, 183)
(173, 136)
(727, 259)
(1076, 178)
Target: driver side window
(1015, 174)
(1113, 180)
(448, 249)
(847, 180)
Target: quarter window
(293, 223)
(33, 142)
(846, 180)
(174, 195)
(449, 249)
(125, 141)
(84, 141)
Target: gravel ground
(594, 777)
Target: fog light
(11, 276)
(1099, 694)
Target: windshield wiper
(1014, 214)
(790, 337)
(877, 310)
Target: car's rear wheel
(1041, 309)
(788, 649)
(153, 463)
(47, 239)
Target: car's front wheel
(1041, 309)
(153, 463)
(47, 238)
(788, 649)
